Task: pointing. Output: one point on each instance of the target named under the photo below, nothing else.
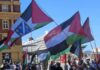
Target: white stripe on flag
(58, 38)
(30, 24)
(18, 21)
(1, 45)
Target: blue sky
(61, 10)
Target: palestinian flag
(32, 19)
(77, 32)
(87, 31)
(56, 39)
(84, 34)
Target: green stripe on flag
(71, 39)
(40, 25)
(3, 47)
(66, 51)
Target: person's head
(58, 64)
(52, 62)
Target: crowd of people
(11, 66)
(54, 66)
(68, 65)
(76, 65)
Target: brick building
(9, 12)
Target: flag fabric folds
(87, 31)
(38, 16)
(66, 51)
(84, 34)
(43, 56)
(1, 41)
(58, 48)
(32, 19)
(56, 39)
(77, 30)
(76, 48)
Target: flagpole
(94, 43)
(55, 22)
(81, 52)
(93, 50)
(96, 50)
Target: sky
(61, 10)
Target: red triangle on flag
(38, 16)
(87, 30)
(75, 26)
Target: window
(4, 8)
(5, 24)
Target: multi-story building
(9, 12)
(32, 46)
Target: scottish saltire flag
(56, 39)
(87, 31)
(32, 19)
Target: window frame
(5, 25)
(5, 8)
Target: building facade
(9, 12)
(33, 45)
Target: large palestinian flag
(56, 39)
